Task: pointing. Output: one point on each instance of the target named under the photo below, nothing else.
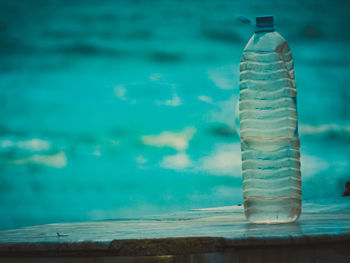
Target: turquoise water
(114, 109)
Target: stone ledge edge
(159, 246)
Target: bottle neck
(264, 29)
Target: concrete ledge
(208, 235)
(164, 246)
(185, 250)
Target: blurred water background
(122, 109)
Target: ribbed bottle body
(268, 131)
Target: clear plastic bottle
(269, 128)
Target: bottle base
(272, 211)
(273, 219)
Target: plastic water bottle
(269, 127)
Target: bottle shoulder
(267, 42)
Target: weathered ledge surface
(322, 234)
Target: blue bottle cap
(264, 23)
